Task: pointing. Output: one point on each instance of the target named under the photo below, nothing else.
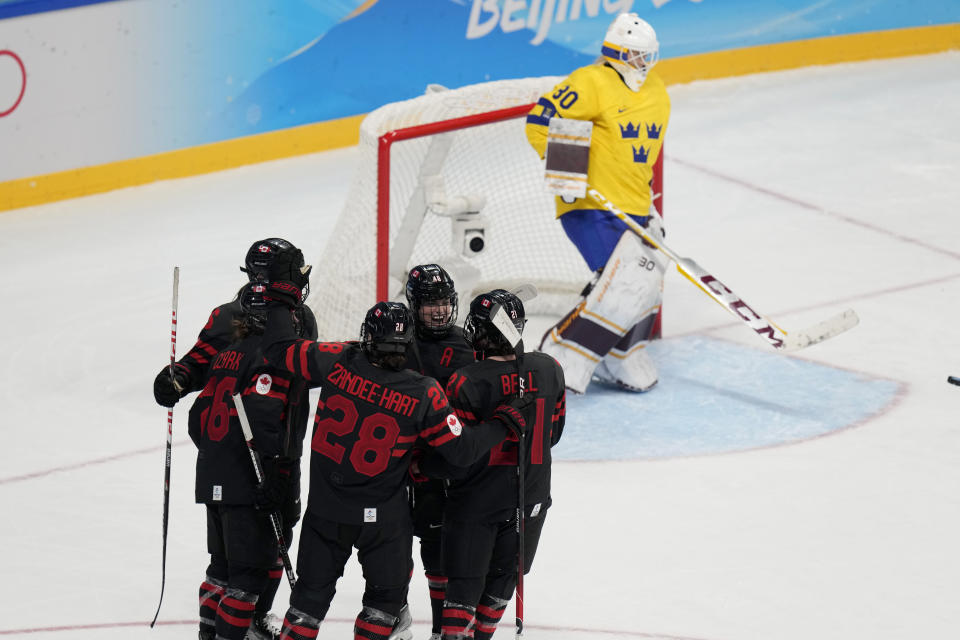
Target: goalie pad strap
(586, 333)
(637, 337)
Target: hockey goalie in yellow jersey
(605, 335)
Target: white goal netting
(448, 192)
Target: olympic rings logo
(23, 82)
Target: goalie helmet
(433, 300)
(479, 329)
(631, 48)
(386, 333)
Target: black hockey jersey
(439, 358)
(487, 490)
(368, 419)
(218, 334)
(224, 469)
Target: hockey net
(439, 176)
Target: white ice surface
(807, 191)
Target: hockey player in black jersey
(189, 375)
(437, 350)
(371, 412)
(190, 371)
(479, 527)
(240, 538)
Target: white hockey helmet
(631, 47)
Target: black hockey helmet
(262, 255)
(253, 316)
(431, 285)
(386, 333)
(479, 329)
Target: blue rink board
(717, 397)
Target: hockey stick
(953, 380)
(710, 285)
(258, 473)
(166, 466)
(503, 324)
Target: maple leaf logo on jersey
(454, 424)
(264, 382)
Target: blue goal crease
(718, 397)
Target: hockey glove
(654, 224)
(511, 414)
(291, 510)
(414, 469)
(285, 292)
(166, 390)
(269, 495)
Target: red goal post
(424, 165)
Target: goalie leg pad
(627, 364)
(628, 290)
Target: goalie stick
(503, 324)
(710, 285)
(953, 380)
(258, 472)
(166, 466)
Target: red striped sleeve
(430, 431)
(205, 347)
(442, 439)
(288, 359)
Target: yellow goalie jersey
(628, 130)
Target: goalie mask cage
(436, 173)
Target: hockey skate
(402, 629)
(631, 370)
(603, 375)
(264, 626)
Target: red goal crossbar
(383, 175)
